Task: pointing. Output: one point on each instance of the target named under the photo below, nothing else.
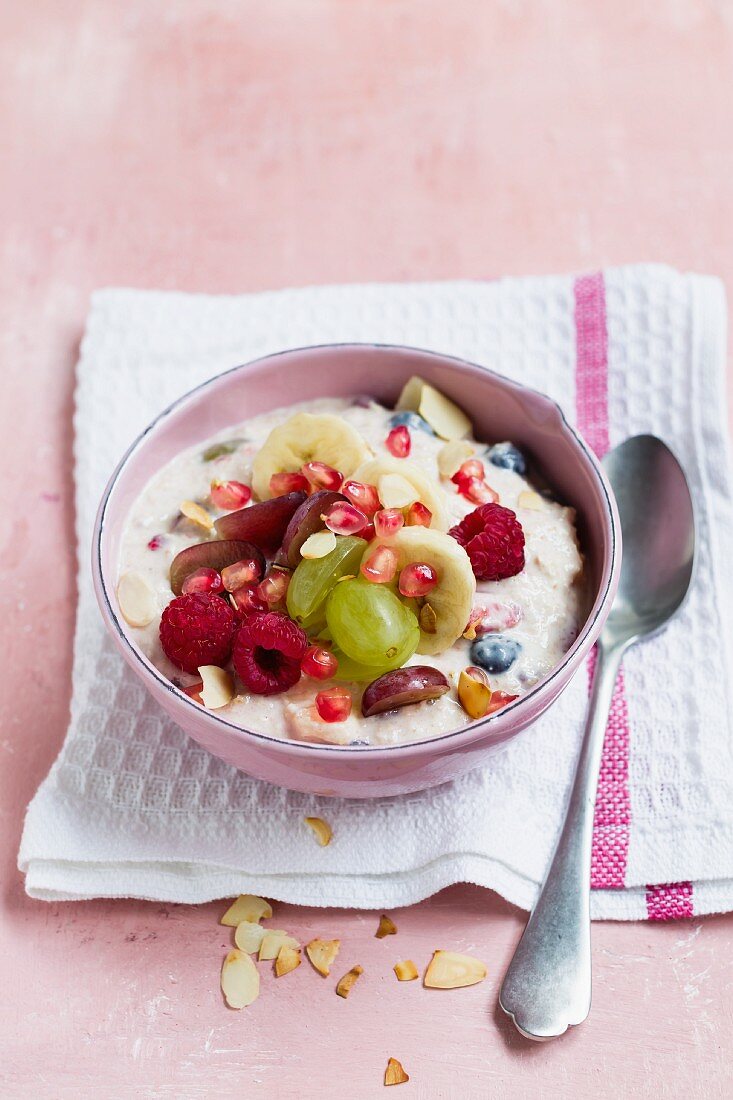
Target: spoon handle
(547, 987)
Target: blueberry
(495, 654)
(411, 420)
(508, 457)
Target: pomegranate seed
(418, 515)
(473, 622)
(274, 587)
(230, 495)
(364, 497)
(246, 571)
(156, 542)
(319, 663)
(493, 616)
(193, 691)
(344, 519)
(247, 600)
(398, 442)
(368, 533)
(381, 565)
(280, 484)
(472, 467)
(498, 700)
(333, 704)
(202, 580)
(321, 476)
(388, 521)
(477, 491)
(417, 579)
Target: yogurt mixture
(405, 581)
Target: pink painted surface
(232, 145)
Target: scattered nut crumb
(323, 831)
(394, 1073)
(405, 970)
(240, 982)
(322, 953)
(346, 984)
(386, 927)
(448, 970)
(288, 959)
(247, 907)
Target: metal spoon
(547, 987)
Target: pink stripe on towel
(613, 807)
(669, 901)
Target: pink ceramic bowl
(500, 410)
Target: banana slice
(307, 437)
(452, 597)
(426, 488)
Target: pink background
(233, 145)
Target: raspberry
(267, 652)
(197, 629)
(493, 538)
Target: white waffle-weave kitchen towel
(132, 807)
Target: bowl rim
(459, 737)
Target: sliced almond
(387, 927)
(248, 936)
(288, 959)
(448, 970)
(531, 500)
(396, 491)
(394, 1073)
(428, 619)
(322, 830)
(246, 907)
(136, 600)
(322, 953)
(240, 982)
(474, 692)
(198, 515)
(218, 686)
(272, 941)
(443, 416)
(346, 984)
(451, 456)
(318, 545)
(405, 970)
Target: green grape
(370, 625)
(349, 669)
(314, 578)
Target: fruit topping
(316, 445)
(247, 599)
(495, 653)
(470, 481)
(371, 625)
(219, 555)
(394, 1073)
(343, 518)
(333, 704)
(193, 691)
(240, 982)
(197, 514)
(136, 600)
(364, 497)
(507, 457)
(267, 652)
(396, 491)
(386, 927)
(313, 580)
(346, 984)
(410, 420)
(156, 542)
(318, 545)
(421, 486)
(451, 456)
(244, 571)
(246, 907)
(288, 959)
(474, 692)
(401, 687)
(449, 970)
(398, 442)
(500, 699)
(322, 954)
(319, 663)
(229, 495)
(202, 580)
(405, 970)
(321, 830)
(380, 566)
(530, 500)
(472, 467)
(262, 524)
(418, 515)
(494, 541)
(283, 483)
(196, 630)
(218, 450)
(387, 521)
(491, 616)
(417, 579)
(274, 588)
(443, 416)
(217, 686)
(307, 520)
